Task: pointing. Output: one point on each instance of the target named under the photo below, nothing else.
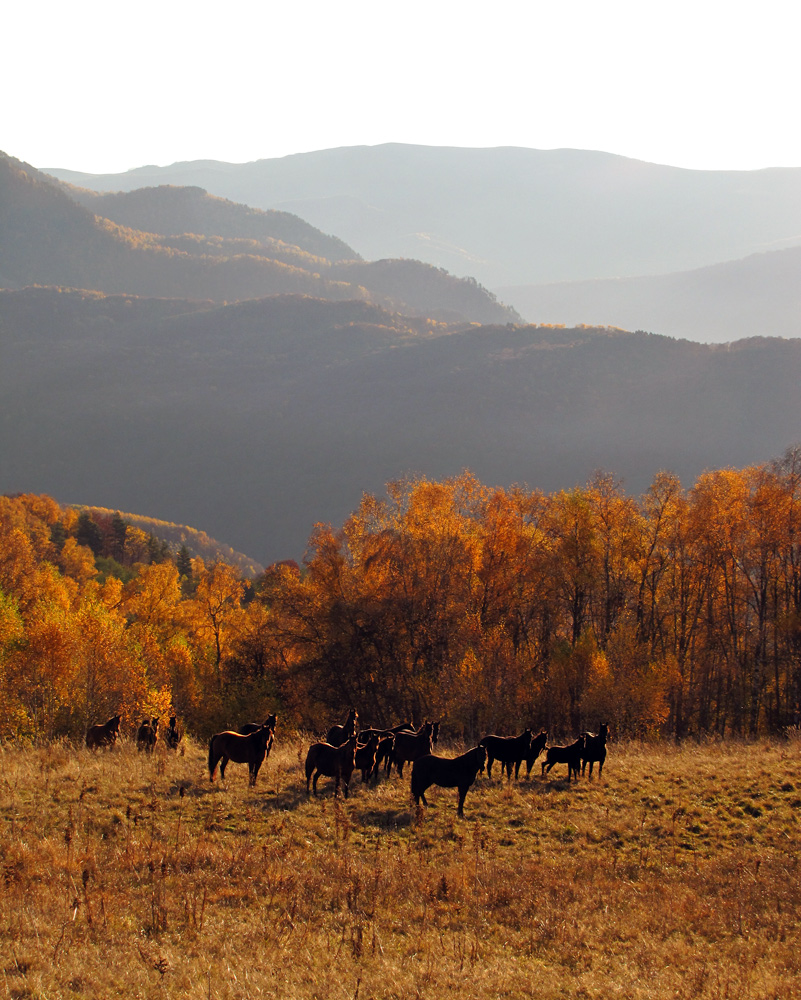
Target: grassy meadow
(674, 876)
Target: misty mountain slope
(256, 420)
(47, 238)
(759, 295)
(508, 216)
(170, 210)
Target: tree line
(676, 613)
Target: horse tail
(212, 760)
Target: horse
(595, 749)
(250, 727)
(147, 735)
(508, 750)
(172, 737)
(537, 746)
(365, 755)
(410, 746)
(570, 755)
(250, 750)
(103, 734)
(337, 735)
(458, 772)
(332, 762)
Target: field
(129, 875)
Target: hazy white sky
(105, 87)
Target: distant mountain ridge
(759, 295)
(48, 238)
(508, 216)
(257, 419)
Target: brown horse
(147, 736)
(410, 746)
(172, 737)
(250, 750)
(537, 746)
(509, 750)
(332, 762)
(595, 749)
(337, 735)
(570, 755)
(458, 772)
(250, 727)
(103, 734)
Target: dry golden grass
(675, 876)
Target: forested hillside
(507, 215)
(48, 238)
(258, 419)
(674, 613)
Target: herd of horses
(347, 749)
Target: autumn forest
(677, 613)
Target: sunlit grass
(675, 875)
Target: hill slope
(47, 238)
(257, 419)
(759, 295)
(509, 216)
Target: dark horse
(410, 746)
(172, 737)
(595, 749)
(250, 727)
(332, 762)
(148, 734)
(250, 750)
(337, 735)
(509, 750)
(457, 772)
(103, 734)
(570, 755)
(537, 746)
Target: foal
(570, 755)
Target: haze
(106, 88)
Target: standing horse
(537, 746)
(458, 772)
(570, 755)
(332, 762)
(410, 746)
(250, 727)
(595, 749)
(172, 737)
(337, 735)
(250, 750)
(147, 736)
(103, 734)
(509, 750)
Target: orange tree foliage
(678, 612)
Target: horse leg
(399, 765)
(462, 797)
(314, 783)
(223, 764)
(489, 765)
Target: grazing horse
(410, 746)
(250, 727)
(103, 734)
(537, 746)
(458, 772)
(509, 750)
(570, 755)
(595, 749)
(147, 735)
(250, 750)
(332, 762)
(337, 735)
(172, 737)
